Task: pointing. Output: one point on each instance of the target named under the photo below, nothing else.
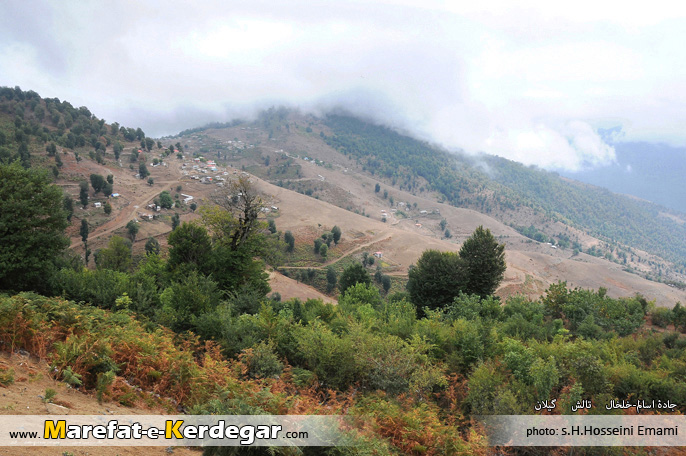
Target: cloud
(533, 81)
(573, 146)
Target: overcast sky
(531, 82)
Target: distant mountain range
(655, 172)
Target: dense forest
(488, 183)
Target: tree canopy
(436, 279)
(439, 277)
(353, 274)
(32, 223)
(116, 256)
(484, 261)
(189, 244)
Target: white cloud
(573, 146)
(529, 81)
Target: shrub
(6, 376)
(261, 361)
(661, 317)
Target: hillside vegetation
(30, 123)
(190, 324)
(496, 185)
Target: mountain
(654, 172)
(179, 315)
(555, 229)
(501, 186)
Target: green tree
(378, 275)
(186, 300)
(377, 188)
(151, 181)
(331, 279)
(323, 251)
(238, 271)
(83, 193)
(51, 149)
(97, 182)
(328, 238)
(108, 208)
(386, 283)
(152, 246)
(289, 240)
(118, 148)
(317, 245)
(143, 170)
(484, 261)
(166, 200)
(234, 220)
(32, 224)
(117, 255)
(240, 239)
(83, 231)
(132, 228)
(176, 220)
(110, 179)
(336, 231)
(679, 316)
(69, 206)
(436, 279)
(353, 274)
(189, 244)
(271, 225)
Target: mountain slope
(654, 172)
(462, 180)
(315, 187)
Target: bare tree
(241, 199)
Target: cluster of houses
(99, 204)
(148, 216)
(239, 145)
(202, 166)
(307, 159)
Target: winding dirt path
(126, 213)
(346, 254)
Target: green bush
(662, 317)
(262, 361)
(6, 376)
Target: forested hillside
(495, 185)
(29, 122)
